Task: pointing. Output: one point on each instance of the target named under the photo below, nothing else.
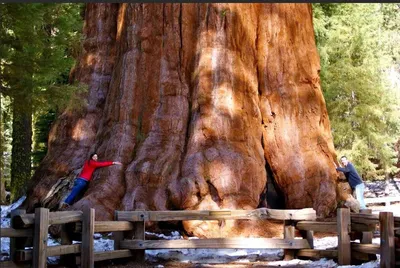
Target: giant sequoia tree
(203, 103)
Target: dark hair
(91, 155)
(343, 156)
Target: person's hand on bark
(336, 166)
(117, 163)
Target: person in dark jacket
(83, 179)
(354, 179)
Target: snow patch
(5, 210)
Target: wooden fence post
(40, 237)
(87, 249)
(139, 233)
(17, 242)
(343, 225)
(309, 236)
(367, 237)
(117, 236)
(386, 222)
(69, 259)
(288, 233)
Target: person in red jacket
(86, 175)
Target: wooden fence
(387, 200)
(128, 229)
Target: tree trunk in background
(197, 101)
(21, 143)
(397, 148)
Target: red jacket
(90, 166)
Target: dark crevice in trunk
(275, 197)
(214, 193)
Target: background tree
(5, 145)
(38, 42)
(358, 47)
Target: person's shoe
(64, 205)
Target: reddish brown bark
(197, 101)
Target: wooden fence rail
(387, 200)
(128, 229)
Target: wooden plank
(40, 237)
(366, 238)
(364, 218)
(87, 249)
(63, 250)
(387, 239)
(385, 200)
(261, 213)
(59, 217)
(66, 239)
(288, 233)
(309, 236)
(112, 226)
(324, 227)
(107, 226)
(117, 236)
(366, 248)
(11, 232)
(343, 225)
(22, 255)
(27, 254)
(370, 219)
(239, 243)
(11, 264)
(317, 253)
(113, 254)
(139, 234)
(16, 243)
(362, 227)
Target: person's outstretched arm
(98, 164)
(343, 169)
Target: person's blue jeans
(79, 185)
(360, 195)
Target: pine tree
(36, 41)
(355, 42)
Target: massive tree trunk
(198, 101)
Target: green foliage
(357, 51)
(39, 44)
(42, 128)
(37, 49)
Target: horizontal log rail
(184, 215)
(112, 254)
(331, 227)
(27, 254)
(11, 264)
(387, 200)
(366, 248)
(105, 226)
(324, 227)
(318, 253)
(370, 219)
(237, 243)
(11, 232)
(60, 217)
